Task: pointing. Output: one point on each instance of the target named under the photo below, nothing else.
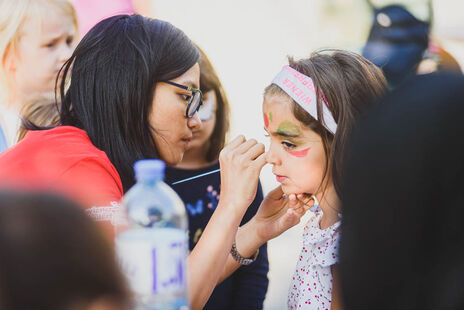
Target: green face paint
(289, 128)
(270, 116)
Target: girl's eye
(51, 44)
(288, 145)
(69, 41)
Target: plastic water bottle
(152, 240)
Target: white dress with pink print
(311, 285)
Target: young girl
(201, 196)
(309, 110)
(36, 38)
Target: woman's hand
(241, 162)
(278, 213)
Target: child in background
(90, 12)
(36, 38)
(246, 288)
(309, 110)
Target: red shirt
(63, 159)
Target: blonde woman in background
(36, 38)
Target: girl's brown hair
(209, 80)
(348, 82)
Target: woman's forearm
(247, 243)
(206, 261)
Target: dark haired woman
(133, 94)
(246, 288)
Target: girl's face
(296, 152)
(207, 115)
(173, 130)
(44, 45)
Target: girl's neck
(330, 205)
(194, 158)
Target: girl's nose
(271, 157)
(194, 122)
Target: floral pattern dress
(311, 285)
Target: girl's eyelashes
(288, 145)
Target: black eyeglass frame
(194, 91)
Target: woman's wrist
(234, 207)
(248, 240)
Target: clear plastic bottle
(152, 240)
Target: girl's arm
(336, 303)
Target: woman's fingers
(236, 142)
(245, 146)
(276, 193)
(254, 151)
(296, 205)
(260, 161)
(290, 219)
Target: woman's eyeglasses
(195, 100)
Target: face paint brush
(196, 176)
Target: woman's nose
(194, 122)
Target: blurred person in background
(246, 288)
(398, 39)
(90, 12)
(438, 59)
(36, 38)
(402, 244)
(54, 257)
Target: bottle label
(154, 260)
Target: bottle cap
(149, 169)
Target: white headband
(301, 88)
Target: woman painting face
(173, 130)
(296, 152)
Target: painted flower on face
(267, 119)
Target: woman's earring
(315, 207)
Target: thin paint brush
(196, 177)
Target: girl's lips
(280, 178)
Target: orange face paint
(301, 153)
